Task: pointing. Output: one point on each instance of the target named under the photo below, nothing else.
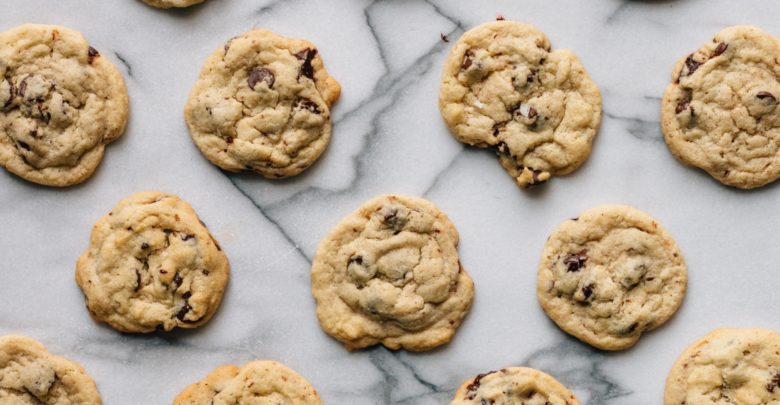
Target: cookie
(30, 375)
(389, 273)
(262, 104)
(514, 385)
(503, 88)
(61, 103)
(721, 113)
(610, 275)
(266, 382)
(728, 366)
(172, 3)
(152, 265)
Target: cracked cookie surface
(728, 366)
(61, 103)
(389, 273)
(152, 265)
(172, 3)
(502, 87)
(257, 382)
(721, 112)
(30, 375)
(610, 275)
(512, 386)
(262, 104)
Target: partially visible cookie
(61, 103)
(30, 375)
(152, 265)
(389, 273)
(728, 366)
(503, 88)
(610, 275)
(513, 386)
(261, 382)
(172, 3)
(721, 111)
(262, 104)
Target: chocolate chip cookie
(610, 275)
(504, 88)
(728, 366)
(266, 382)
(262, 104)
(61, 103)
(30, 375)
(172, 3)
(389, 273)
(514, 385)
(152, 265)
(721, 112)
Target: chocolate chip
(92, 53)
(576, 261)
(229, 139)
(468, 59)
(144, 245)
(306, 104)
(24, 145)
(186, 236)
(391, 217)
(532, 112)
(137, 280)
(260, 74)
(474, 386)
(587, 291)
(444, 37)
(355, 259)
(500, 18)
(535, 177)
(187, 295)
(177, 280)
(765, 95)
(163, 271)
(691, 64)
(682, 105)
(306, 55)
(773, 383)
(23, 86)
(720, 49)
(205, 272)
(183, 311)
(630, 329)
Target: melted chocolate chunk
(474, 386)
(692, 65)
(306, 104)
(24, 145)
(92, 53)
(23, 86)
(576, 261)
(468, 59)
(587, 291)
(720, 49)
(774, 383)
(183, 311)
(260, 74)
(684, 102)
(306, 56)
(502, 148)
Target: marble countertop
(388, 137)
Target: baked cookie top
(728, 366)
(262, 103)
(513, 386)
(30, 375)
(502, 87)
(61, 102)
(172, 3)
(389, 273)
(610, 275)
(152, 265)
(257, 382)
(721, 111)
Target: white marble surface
(388, 137)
